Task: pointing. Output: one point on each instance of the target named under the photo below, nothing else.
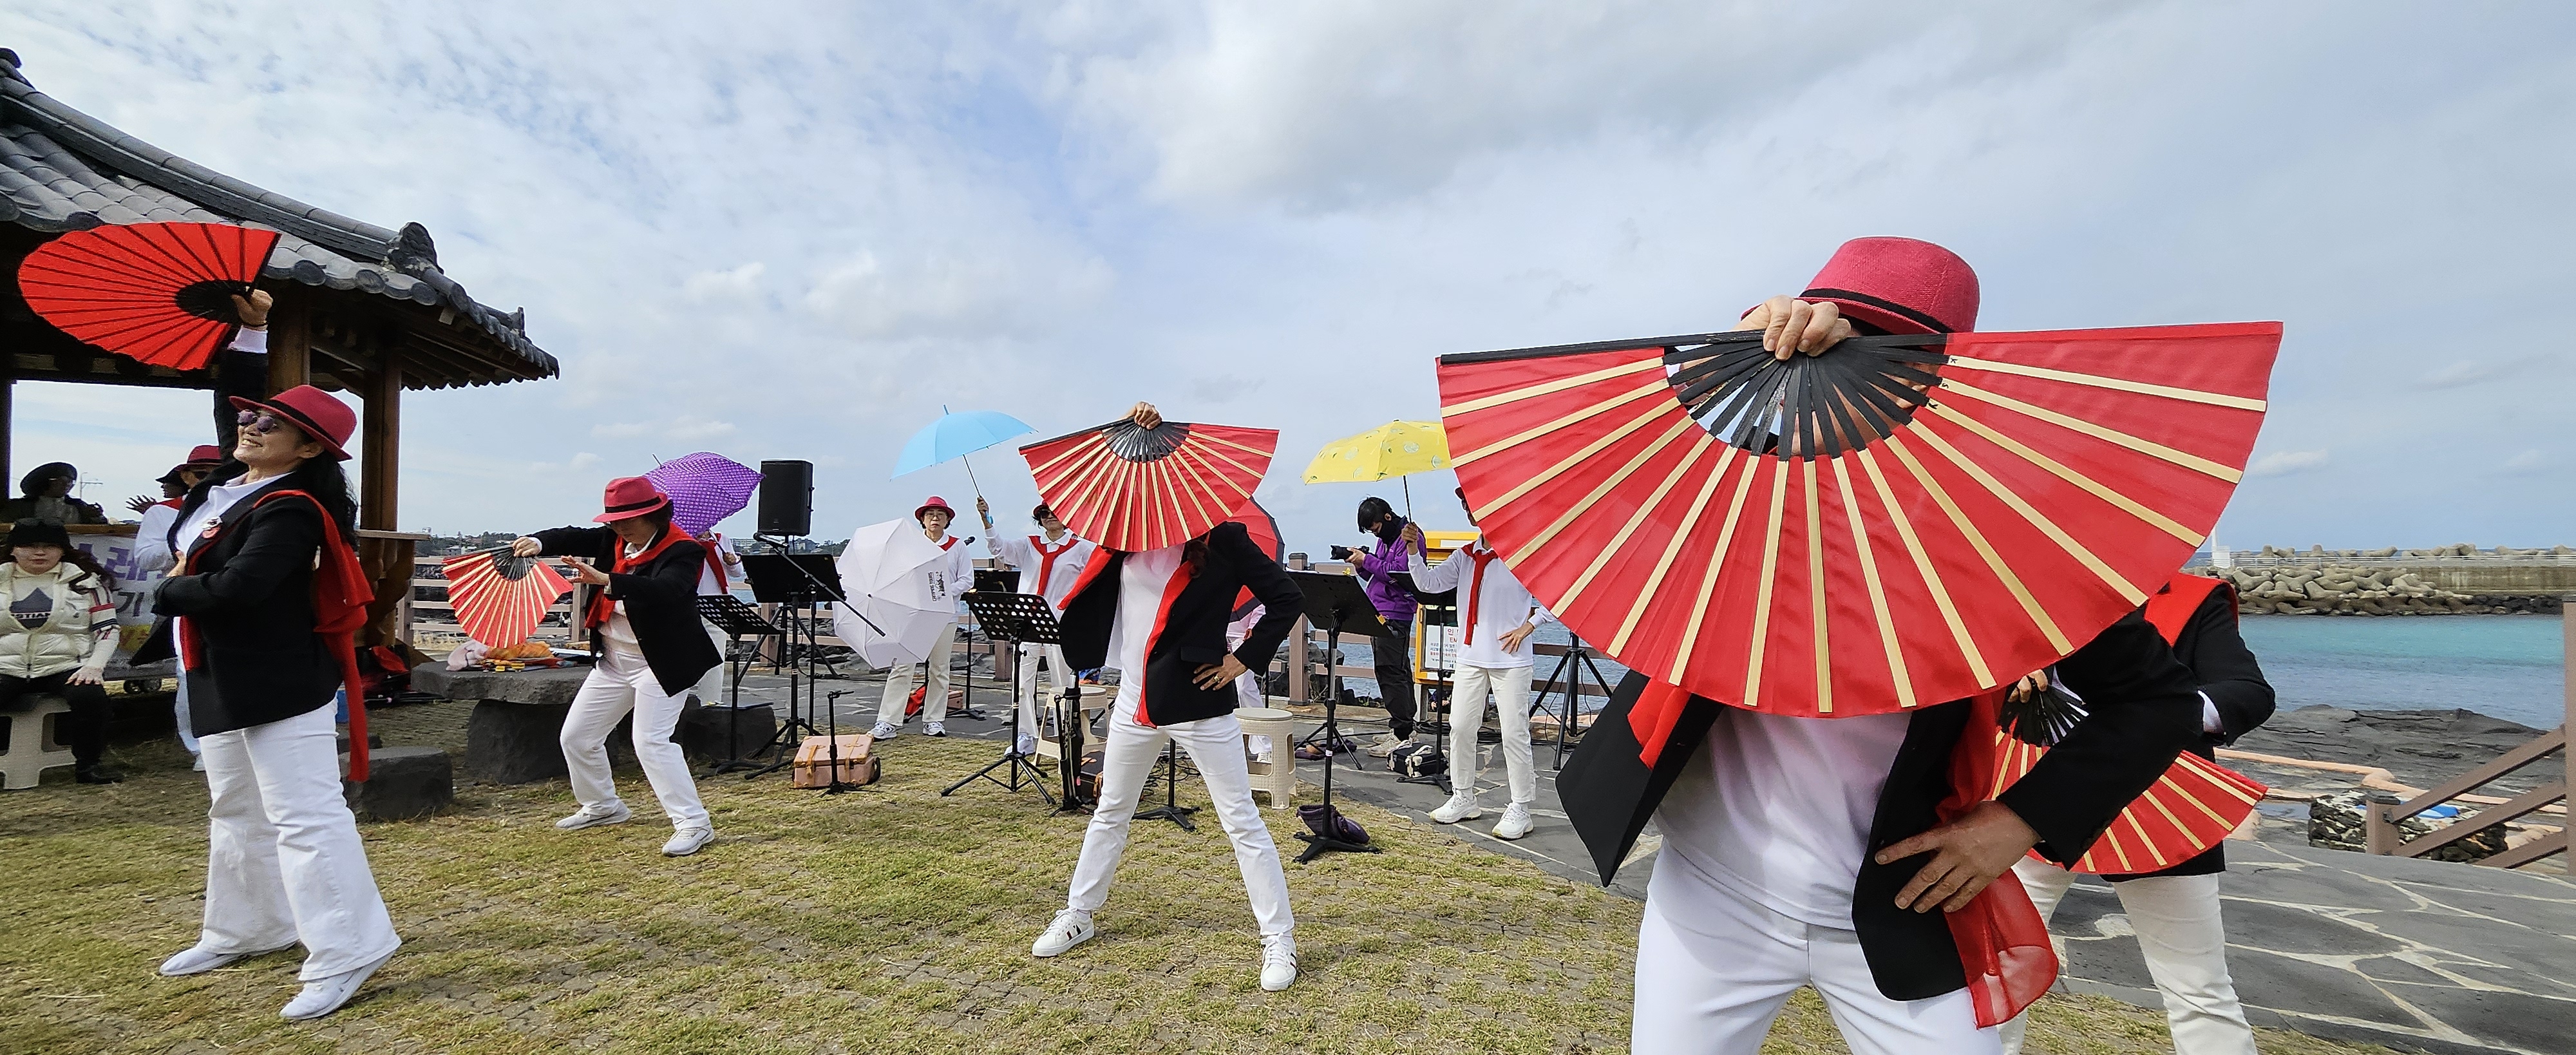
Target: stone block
(515, 743)
(402, 783)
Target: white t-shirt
(721, 549)
(1141, 580)
(617, 632)
(152, 539)
(1500, 603)
(1777, 809)
(1028, 553)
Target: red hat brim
(305, 425)
(615, 515)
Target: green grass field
(887, 920)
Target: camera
(1342, 553)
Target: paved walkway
(2416, 955)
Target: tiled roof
(63, 170)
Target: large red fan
(158, 292)
(1899, 521)
(2190, 809)
(1136, 489)
(499, 598)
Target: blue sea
(2505, 666)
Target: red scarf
(340, 596)
(601, 605)
(1475, 585)
(716, 564)
(1046, 559)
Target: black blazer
(2214, 649)
(249, 594)
(1194, 631)
(661, 601)
(2144, 712)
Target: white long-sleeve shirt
(152, 540)
(1491, 602)
(1047, 569)
(956, 567)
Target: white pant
(1059, 678)
(621, 683)
(2176, 921)
(284, 863)
(1215, 745)
(1247, 693)
(1510, 687)
(1711, 984)
(710, 689)
(898, 687)
(179, 708)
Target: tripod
(1070, 726)
(1438, 624)
(1013, 619)
(1332, 601)
(796, 582)
(1567, 680)
(737, 620)
(1171, 809)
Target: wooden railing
(2380, 819)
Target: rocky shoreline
(2337, 589)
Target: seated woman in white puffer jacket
(57, 629)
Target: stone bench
(403, 783)
(35, 743)
(514, 735)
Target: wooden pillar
(290, 342)
(380, 445)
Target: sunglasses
(261, 423)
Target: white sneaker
(1515, 822)
(1071, 927)
(934, 728)
(325, 995)
(595, 816)
(883, 731)
(1278, 962)
(1386, 748)
(687, 841)
(199, 763)
(1028, 745)
(1460, 807)
(197, 959)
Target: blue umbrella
(956, 435)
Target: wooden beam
(290, 342)
(380, 460)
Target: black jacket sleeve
(2228, 674)
(573, 541)
(1280, 598)
(283, 539)
(672, 582)
(2145, 710)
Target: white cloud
(1002, 290)
(686, 428)
(2283, 463)
(736, 284)
(2460, 373)
(2527, 463)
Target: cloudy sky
(796, 231)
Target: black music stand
(1439, 611)
(1014, 619)
(737, 620)
(795, 582)
(1334, 601)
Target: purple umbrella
(704, 488)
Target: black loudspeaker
(787, 498)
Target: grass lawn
(883, 921)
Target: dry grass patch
(887, 920)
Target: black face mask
(1388, 529)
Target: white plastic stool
(1278, 776)
(34, 744)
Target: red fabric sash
(601, 605)
(1475, 587)
(716, 564)
(1046, 559)
(340, 596)
(2003, 944)
(2172, 607)
(173, 503)
(1162, 614)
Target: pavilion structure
(360, 309)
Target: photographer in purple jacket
(1377, 566)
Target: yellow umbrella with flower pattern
(1397, 448)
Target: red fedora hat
(629, 497)
(1900, 285)
(205, 454)
(934, 502)
(314, 413)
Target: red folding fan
(158, 292)
(1898, 521)
(499, 598)
(1135, 489)
(2190, 809)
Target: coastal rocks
(2343, 590)
(2335, 822)
(2419, 748)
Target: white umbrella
(897, 602)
